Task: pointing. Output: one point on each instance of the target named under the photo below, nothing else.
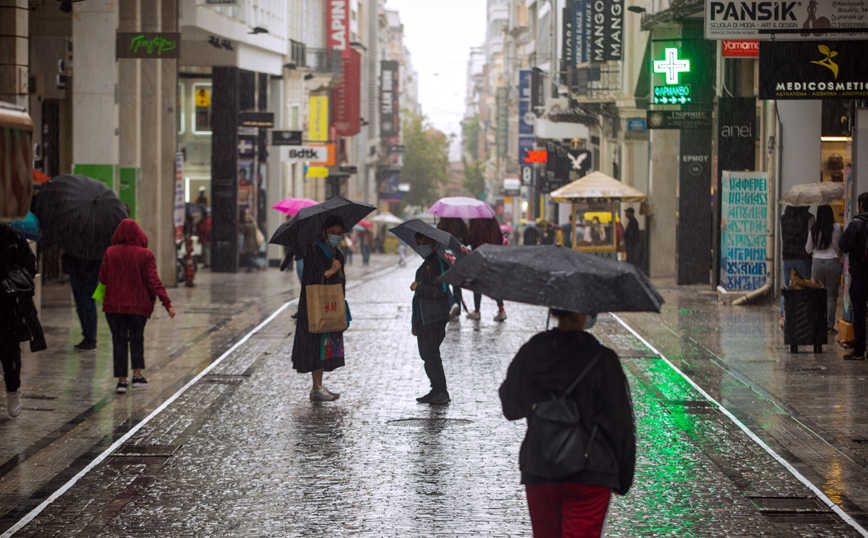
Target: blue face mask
(424, 250)
(590, 321)
(335, 240)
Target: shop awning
(597, 186)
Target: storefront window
(202, 107)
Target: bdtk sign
(793, 20)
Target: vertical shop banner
(318, 116)
(607, 30)
(526, 116)
(566, 43)
(695, 218)
(180, 207)
(347, 96)
(736, 135)
(502, 135)
(847, 312)
(389, 119)
(744, 230)
(581, 31)
(338, 24)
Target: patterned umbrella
(817, 193)
(461, 207)
(291, 206)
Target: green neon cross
(671, 66)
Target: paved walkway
(243, 452)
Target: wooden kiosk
(601, 194)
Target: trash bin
(805, 319)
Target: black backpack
(556, 444)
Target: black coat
(853, 243)
(549, 362)
(17, 311)
(430, 301)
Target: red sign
(347, 96)
(338, 24)
(536, 157)
(739, 49)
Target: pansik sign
(744, 230)
(813, 70)
(785, 19)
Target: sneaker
(441, 398)
(322, 395)
(139, 381)
(855, 356)
(474, 315)
(426, 398)
(13, 403)
(335, 394)
(122, 387)
(85, 345)
(454, 312)
(501, 316)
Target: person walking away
(796, 223)
(576, 504)
(348, 247)
(530, 236)
(311, 352)
(202, 199)
(19, 321)
(459, 231)
(251, 245)
(568, 233)
(83, 279)
(366, 242)
(203, 230)
(548, 233)
(430, 315)
(853, 243)
(482, 232)
(132, 285)
(633, 241)
(823, 245)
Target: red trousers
(567, 510)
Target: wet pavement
(243, 452)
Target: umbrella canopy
(291, 206)
(597, 186)
(555, 277)
(79, 214)
(359, 228)
(305, 228)
(364, 223)
(461, 207)
(29, 226)
(818, 193)
(386, 218)
(447, 247)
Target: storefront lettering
(157, 45)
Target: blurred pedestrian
(796, 223)
(568, 233)
(316, 353)
(402, 253)
(83, 279)
(129, 273)
(823, 245)
(251, 245)
(348, 247)
(18, 316)
(202, 199)
(576, 504)
(203, 230)
(430, 315)
(531, 235)
(547, 233)
(598, 233)
(633, 240)
(366, 243)
(853, 243)
(482, 232)
(459, 230)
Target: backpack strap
(325, 249)
(578, 378)
(442, 270)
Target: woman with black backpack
(567, 371)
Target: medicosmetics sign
(785, 19)
(813, 70)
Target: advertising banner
(678, 119)
(525, 145)
(796, 20)
(567, 42)
(330, 158)
(318, 116)
(389, 120)
(736, 135)
(347, 96)
(739, 49)
(180, 207)
(338, 24)
(502, 126)
(682, 71)
(308, 153)
(148, 45)
(582, 32)
(744, 230)
(607, 30)
(286, 138)
(813, 70)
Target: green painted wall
(107, 173)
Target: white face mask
(590, 322)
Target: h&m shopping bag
(326, 308)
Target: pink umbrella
(290, 206)
(364, 223)
(461, 207)
(505, 228)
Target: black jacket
(794, 233)
(430, 303)
(853, 243)
(17, 311)
(547, 364)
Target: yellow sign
(203, 97)
(507, 200)
(317, 171)
(318, 116)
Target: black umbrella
(556, 277)
(447, 246)
(79, 214)
(305, 228)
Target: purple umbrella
(291, 206)
(461, 207)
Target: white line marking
(66, 487)
(835, 508)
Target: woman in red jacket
(129, 273)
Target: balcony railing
(598, 83)
(326, 61)
(298, 53)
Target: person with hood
(316, 353)
(576, 504)
(853, 242)
(129, 274)
(458, 229)
(482, 232)
(430, 315)
(18, 317)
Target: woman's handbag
(259, 237)
(17, 281)
(326, 308)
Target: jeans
(828, 271)
(477, 300)
(10, 358)
(366, 254)
(128, 332)
(803, 267)
(456, 297)
(84, 283)
(429, 338)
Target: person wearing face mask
(576, 504)
(318, 353)
(430, 315)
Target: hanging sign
(739, 49)
(795, 20)
(148, 45)
(318, 114)
(812, 70)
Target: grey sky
(439, 34)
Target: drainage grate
(793, 509)
(692, 407)
(148, 451)
(635, 354)
(429, 422)
(224, 379)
